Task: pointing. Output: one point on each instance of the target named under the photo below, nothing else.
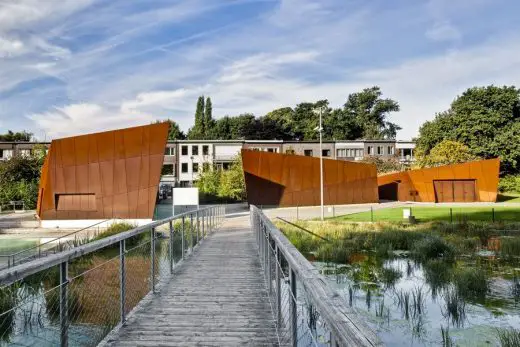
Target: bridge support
(64, 307)
(122, 280)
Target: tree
(386, 165)
(370, 112)
(197, 131)
(482, 118)
(445, 153)
(174, 132)
(232, 182)
(19, 179)
(208, 118)
(11, 136)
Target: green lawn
(508, 197)
(438, 213)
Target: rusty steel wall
(113, 174)
(293, 180)
(419, 185)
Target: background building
(184, 159)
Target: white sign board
(185, 196)
(406, 213)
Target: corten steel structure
(291, 180)
(467, 182)
(113, 174)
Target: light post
(320, 130)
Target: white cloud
(10, 48)
(443, 31)
(78, 119)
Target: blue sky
(75, 66)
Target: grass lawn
(508, 197)
(438, 213)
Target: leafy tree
(370, 112)
(197, 131)
(232, 182)
(221, 129)
(482, 118)
(19, 179)
(384, 165)
(445, 153)
(208, 118)
(11, 136)
(174, 132)
(209, 182)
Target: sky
(70, 67)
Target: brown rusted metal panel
(466, 182)
(292, 180)
(114, 174)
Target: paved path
(216, 298)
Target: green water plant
(471, 283)
(508, 337)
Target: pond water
(408, 303)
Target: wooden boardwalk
(217, 297)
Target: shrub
(432, 247)
(509, 246)
(471, 283)
(509, 183)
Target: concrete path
(217, 297)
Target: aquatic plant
(508, 337)
(471, 283)
(438, 273)
(510, 247)
(515, 289)
(432, 247)
(403, 302)
(390, 276)
(455, 307)
(418, 300)
(446, 338)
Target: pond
(432, 303)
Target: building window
(390, 150)
(25, 153)
(194, 150)
(226, 166)
(195, 167)
(205, 150)
(271, 150)
(370, 150)
(167, 169)
(184, 167)
(184, 150)
(307, 152)
(325, 152)
(169, 151)
(341, 153)
(380, 150)
(289, 151)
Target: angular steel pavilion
(95, 177)
(291, 180)
(467, 182)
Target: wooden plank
(217, 297)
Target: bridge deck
(216, 298)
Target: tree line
(364, 115)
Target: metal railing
(78, 296)
(307, 311)
(53, 246)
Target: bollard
(371, 214)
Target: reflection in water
(432, 302)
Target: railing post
(182, 236)
(278, 293)
(64, 314)
(191, 232)
(198, 227)
(203, 222)
(294, 312)
(122, 280)
(269, 264)
(152, 256)
(170, 247)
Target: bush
(432, 247)
(471, 283)
(510, 184)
